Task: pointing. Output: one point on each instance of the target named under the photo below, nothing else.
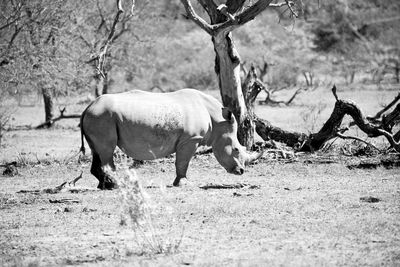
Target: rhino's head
(226, 147)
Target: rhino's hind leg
(103, 173)
(184, 154)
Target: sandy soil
(310, 211)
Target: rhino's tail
(82, 149)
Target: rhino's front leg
(184, 154)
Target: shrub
(139, 212)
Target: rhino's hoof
(176, 182)
(110, 185)
(180, 181)
(107, 185)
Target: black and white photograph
(199, 133)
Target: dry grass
(139, 212)
(306, 211)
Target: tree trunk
(101, 84)
(96, 85)
(105, 84)
(48, 105)
(227, 68)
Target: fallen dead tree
(380, 125)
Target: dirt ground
(308, 210)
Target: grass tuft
(139, 213)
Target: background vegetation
(51, 44)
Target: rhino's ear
(227, 114)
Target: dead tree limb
(73, 182)
(253, 80)
(252, 86)
(229, 186)
(49, 123)
(269, 132)
(375, 127)
(272, 102)
(386, 108)
(330, 129)
(357, 139)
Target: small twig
(294, 96)
(60, 187)
(73, 182)
(228, 186)
(334, 92)
(62, 110)
(327, 145)
(290, 4)
(357, 139)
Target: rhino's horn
(253, 156)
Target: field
(307, 210)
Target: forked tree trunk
(227, 68)
(224, 18)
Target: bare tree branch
(287, 3)
(391, 139)
(234, 5)
(101, 58)
(251, 12)
(234, 20)
(391, 104)
(211, 8)
(357, 139)
(103, 20)
(196, 18)
(252, 80)
(290, 5)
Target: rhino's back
(175, 109)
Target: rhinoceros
(147, 126)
